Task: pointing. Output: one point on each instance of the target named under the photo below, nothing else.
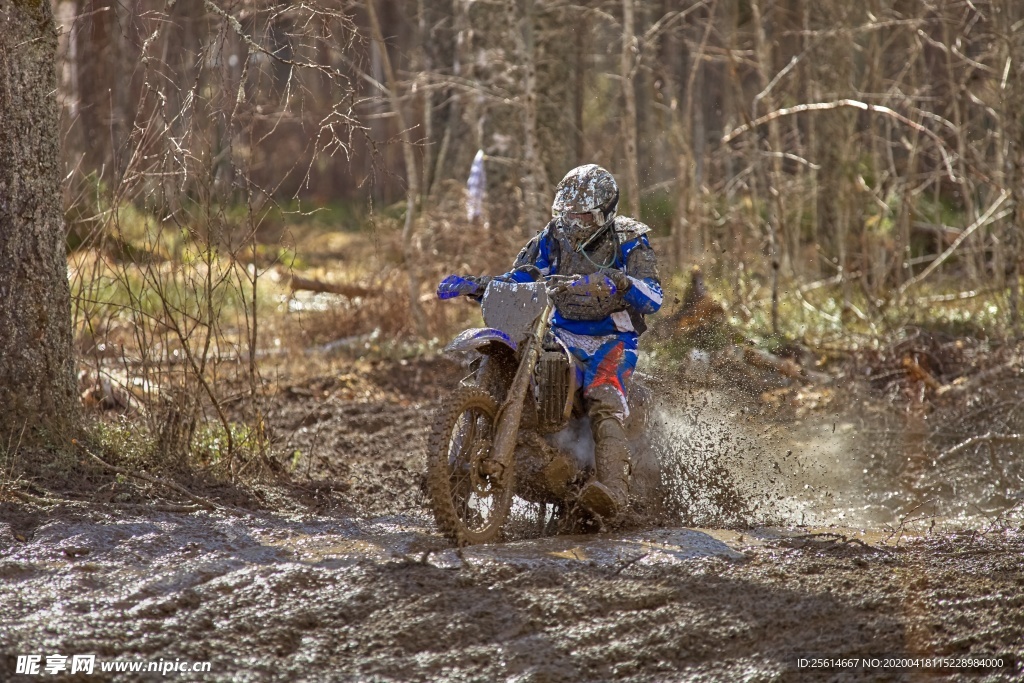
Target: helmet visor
(584, 219)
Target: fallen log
(967, 385)
(297, 283)
(764, 360)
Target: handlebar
(555, 284)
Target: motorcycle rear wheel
(471, 496)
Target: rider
(600, 316)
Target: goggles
(586, 219)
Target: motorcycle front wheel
(471, 494)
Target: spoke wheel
(470, 494)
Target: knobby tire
(451, 512)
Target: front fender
(477, 337)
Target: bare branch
(838, 104)
(199, 500)
(987, 437)
(984, 219)
(778, 77)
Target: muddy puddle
(328, 597)
(781, 539)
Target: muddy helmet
(586, 199)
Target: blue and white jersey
(624, 248)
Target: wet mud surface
(348, 579)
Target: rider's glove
(593, 297)
(462, 285)
(527, 273)
(603, 284)
(619, 279)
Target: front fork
(511, 412)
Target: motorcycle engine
(556, 388)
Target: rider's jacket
(623, 247)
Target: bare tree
(411, 170)
(627, 70)
(532, 171)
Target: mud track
(352, 582)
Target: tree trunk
(690, 239)
(412, 181)
(427, 97)
(579, 91)
(629, 134)
(535, 214)
(37, 385)
(1011, 14)
(774, 181)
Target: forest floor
(803, 522)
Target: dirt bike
(516, 426)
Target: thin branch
(979, 379)
(237, 26)
(987, 437)
(670, 19)
(35, 500)
(854, 30)
(793, 157)
(838, 104)
(199, 500)
(984, 219)
(629, 563)
(778, 77)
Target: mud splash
(727, 462)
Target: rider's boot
(606, 494)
